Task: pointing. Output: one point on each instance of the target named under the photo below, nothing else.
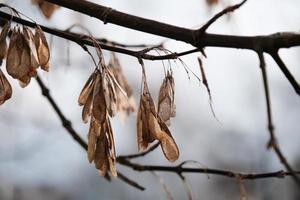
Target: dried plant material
(87, 89)
(94, 97)
(187, 187)
(125, 102)
(3, 44)
(212, 2)
(151, 127)
(29, 37)
(22, 59)
(164, 185)
(109, 93)
(99, 105)
(18, 63)
(46, 7)
(243, 192)
(5, 88)
(42, 48)
(166, 105)
(205, 83)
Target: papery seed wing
(166, 106)
(5, 88)
(99, 105)
(101, 160)
(112, 151)
(5, 31)
(87, 108)
(168, 144)
(3, 49)
(92, 139)
(24, 81)
(112, 167)
(46, 7)
(14, 53)
(3, 44)
(42, 48)
(140, 127)
(29, 38)
(109, 94)
(87, 89)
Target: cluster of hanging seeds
(105, 93)
(46, 7)
(27, 51)
(152, 125)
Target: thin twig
(130, 182)
(205, 83)
(65, 122)
(152, 148)
(220, 14)
(286, 72)
(179, 169)
(273, 140)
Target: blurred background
(39, 160)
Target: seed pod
(29, 38)
(18, 63)
(125, 101)
(166, 106)
(151, 127)
(5, 88)
(46, 7)
(3, 44)
(42, 48)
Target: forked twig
(285, 71)
(220, 14)
(273, 140)
(179, 169)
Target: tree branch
(179, 169)
(79, 39)
(285, 71)
(273, 141)
(152, 148)
(279, 40)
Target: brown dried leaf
(42, 48)
(46, 7)
(166, 106)
(5, 88)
